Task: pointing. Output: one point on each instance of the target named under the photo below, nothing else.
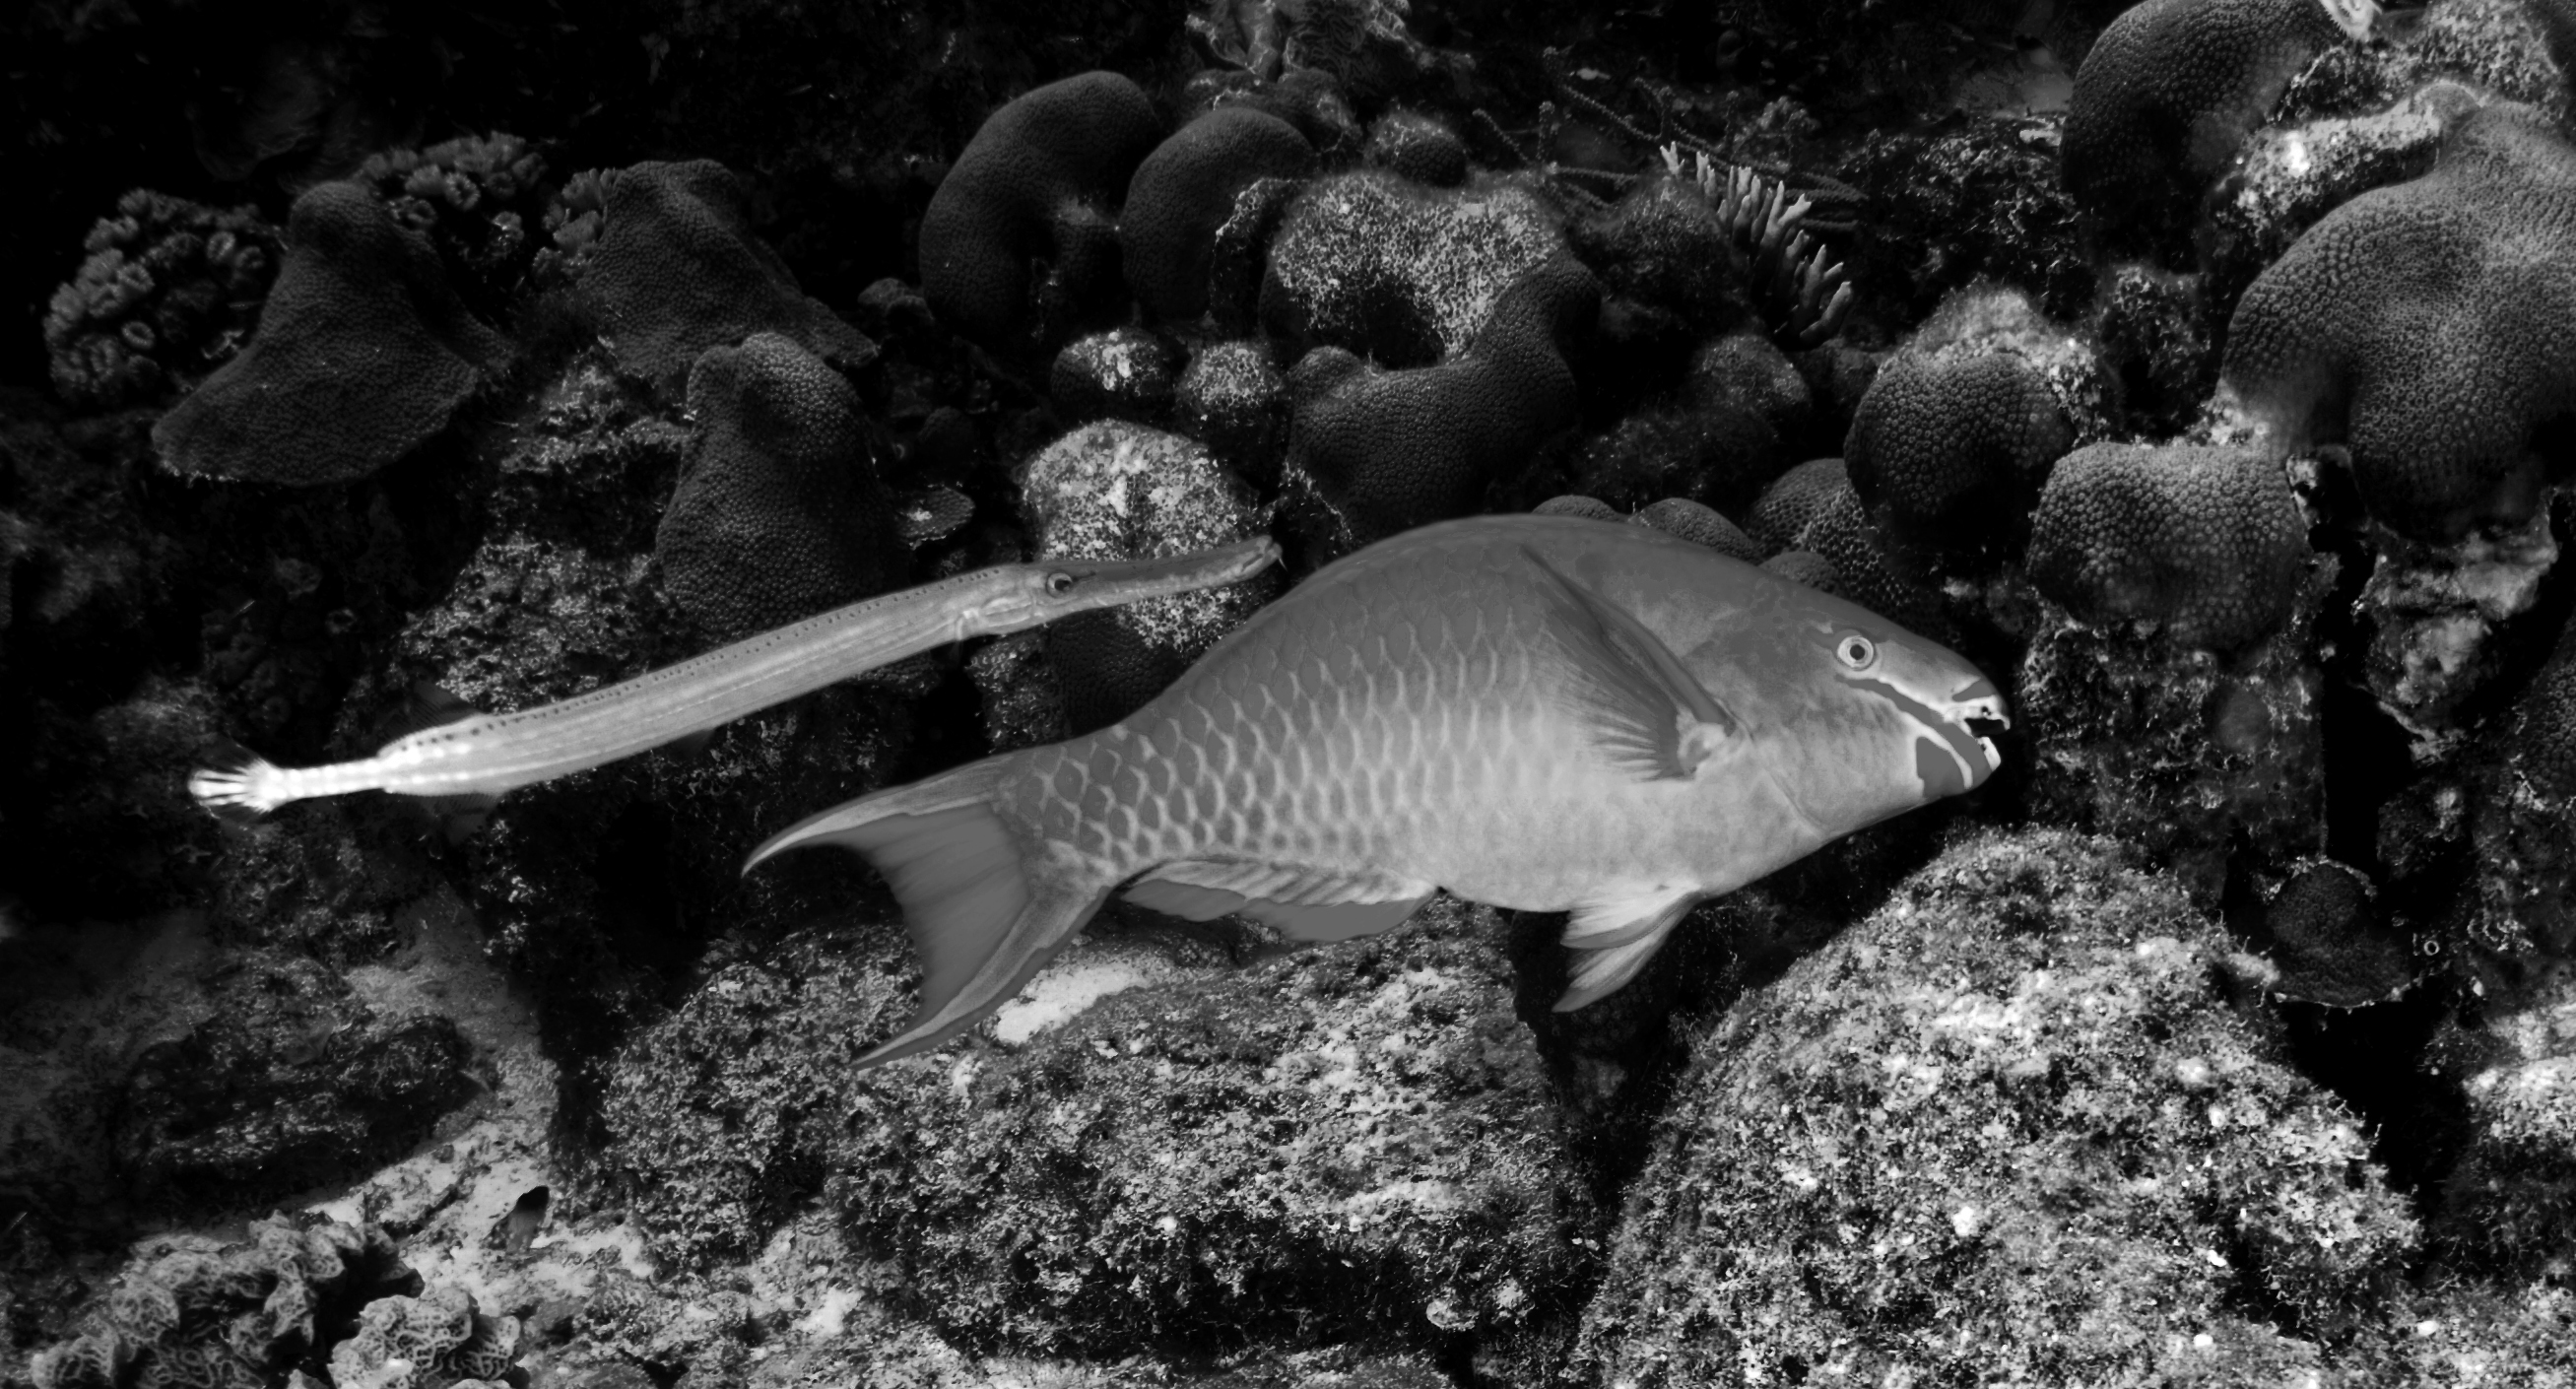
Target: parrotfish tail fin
(237, 785)
(985, 912)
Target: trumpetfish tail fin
(237, 785)
(984, 913)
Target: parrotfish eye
(1856, 651)
(1058, 584)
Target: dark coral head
(2208, 541)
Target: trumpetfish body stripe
(487, 754)
(1541, 712)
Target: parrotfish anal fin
(1620, 920)
(1647, 710)
(430, 705)
(1597, 974)
(1300, 903)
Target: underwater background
(2203, 371)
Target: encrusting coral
(1039, 182)
(168, 293)
(780, 513)
(2421, 327)
(2004, 1127)
(364, 351)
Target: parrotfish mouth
(1953, 752)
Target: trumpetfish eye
(1059, 583)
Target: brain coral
(1389, 450)
(2209, 541)
(363, 352)
(1185, 190)
(2165, 95)
(1038, 181)
(168, 293)
(1398, 272)
(780, 513)
(425, 1342)
(2005, 1130)
(1121, 491)
(2425, 327)
(677, 270)
(1950, 445)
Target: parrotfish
(1548, 713)
(482, 755)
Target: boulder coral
(363, 353)
(1388, 450)
(1117, 490)
(1234, 399)
(1040, 182)
(1185, 190)
(676, 269)
(1957, 432)
(2208, 542)
(779, 514)
(1125, 373)
(2163, 98)
(2422, 327)
(2005, 1128)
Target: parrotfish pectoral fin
(1648, 712)
(1619, 920)
(1299, 903)
(1597, 974)
(982, 915)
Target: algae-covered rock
(1347, 1141)
(2006, 1128)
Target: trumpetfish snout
(1539, 712)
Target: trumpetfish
(475, 755)
(1548, 713)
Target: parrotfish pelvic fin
(1596, 974)
(1620, 920)
(984, 915)
(1649, 713)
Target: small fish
(1542, 712)
(469, 754)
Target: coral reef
(1336, 1141)
(363, 353)
(676, 270)
(779, 514)
(2207, 542)
(1958, 430)
(2003, 1127)
(1040, 181)
(2414, 325)
(1392, 449)
(1121, 491)
(168, 293)
(1185, 190)
(1402, 274)
(2172, 86)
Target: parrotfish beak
(1965, 756)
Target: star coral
(2209, 542)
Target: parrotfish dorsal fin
(430, 706)
(1300, 903)
(1647, 711)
